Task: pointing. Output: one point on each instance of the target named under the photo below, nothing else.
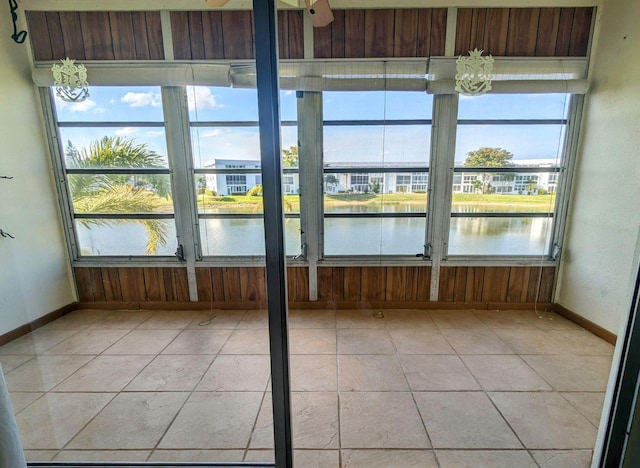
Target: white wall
(599, 260)
(34, 268)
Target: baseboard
(586, 324)
(37, 323)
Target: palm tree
(119, 193)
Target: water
(343, 236)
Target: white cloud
(142, 99)
(199, 97)
(212, 133)
(99, 110)
(126, 131)
(153, 133)
(83, 106)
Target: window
(508, 150)
(375, 143)
(115, 159)
(226, 158)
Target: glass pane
(114, 147)
(512, 192)
(114, 104)
(510, 106)
(126, 237)
(372, 202)
(376, 105)
(374, 236)
(120, 193)
(528, 144)
(499, 236)
(244, 236)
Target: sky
(376, 144)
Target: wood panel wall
(524, 32)
(409, 32)
(496, 284)
(357, 284)
(203, 35)
(234, 285)
(96, 35)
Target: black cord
(17, 36)
(5, 234)
(5, 177)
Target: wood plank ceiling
(355, 33)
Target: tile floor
(412, 389)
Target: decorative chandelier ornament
(70, 81)
(474, 73)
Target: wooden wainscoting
(235, 287)
(513, 285)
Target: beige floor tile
(44, 372)
(503, 319)
(254, 319)
(197, 456)
(122, 320)
(529, 341)
(548, 320)
(20, 400)
(40, 455)
(504, 373)
(37, 342)
(214, 420)
(420, 342)
(173, 373)
(412, 319)
(223, 319)
(388, 459)
(54, 419)
(104, 374)
(312, 319)
(380, 420)
(237, 373)
(581, 342)
(563, 458)
(198, 342)
(358, 319)
(131, 421)
(464, 420)
(455, 319)
(545, 420)
(88, 342)
(475, 341)
(247, 342)
(9, 362)
(588, 404)
(168, 320)
(573, 373)
(377, 373)
(314, 420)
(77, 320)
(312, 341)
(485, 459)
(143, 342)
(103, 455)
(364, 341)
(437, 372)
(301, 458)
(313, 373)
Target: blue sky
(348, 144)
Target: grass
(292, 202)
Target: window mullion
(443, 142)
(182, 180)
(310, 137)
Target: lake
(343, 236)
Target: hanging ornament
(474, 73)
(70, 81)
